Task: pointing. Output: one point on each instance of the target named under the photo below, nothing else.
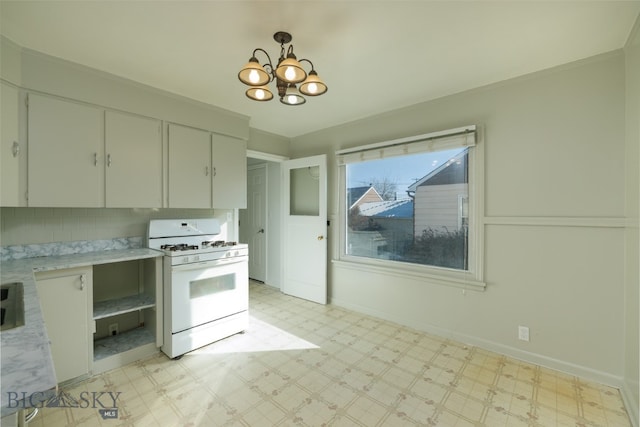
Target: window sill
(406, 271)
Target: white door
(255, 222)
(305, 228)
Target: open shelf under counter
(113, 307)
(119, 350)
(110, 346)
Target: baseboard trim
(630, 403)
(537, 359)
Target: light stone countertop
(26, 368)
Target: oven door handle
(216, 263)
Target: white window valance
(435, 141)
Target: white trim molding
(559, 221)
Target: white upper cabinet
(206, 170)
(133, 156)
(189, 167)
(11, 150)
(82, 156)
(230, 172)
(66, 143)
(85, 156)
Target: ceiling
(375, 56)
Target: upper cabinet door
(66, 143)
(11, 151)
(189, 167)
(133, 160)
(230, 172)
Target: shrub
(440, 248)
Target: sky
(402, 170)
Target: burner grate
(179, 247)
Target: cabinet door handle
(15, 148)
(206, 171)
(109, 160)
(83, 280)
(214, 171)
(95, 159)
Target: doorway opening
(261, 223)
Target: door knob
(320, 237)
(261, 230)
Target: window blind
(435, 141)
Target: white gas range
(206, 283)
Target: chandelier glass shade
(287, 74)
(260, 93)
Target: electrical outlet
(523, 333)
(113, 329)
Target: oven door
(207, 291)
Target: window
(411, 203)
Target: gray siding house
(441, 197)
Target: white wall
(630, 390)
(265, 142)
(43, 73)
(554, 248)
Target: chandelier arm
(290, 49)
(312, 68)
(270, 64)
(269, 69)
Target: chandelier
(286, 74)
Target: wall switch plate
(523, 333)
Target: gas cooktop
(180, 238)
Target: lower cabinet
(65, 297)
(102, 317)
(127, 312)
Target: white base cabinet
(65, 297)
(102, 317)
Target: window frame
(473, 278)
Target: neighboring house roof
(357, 195)
(453, 171)
(388, 209)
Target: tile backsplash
(25, 226)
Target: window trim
(473, 278)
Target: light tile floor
(311, 365)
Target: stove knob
(185, 259)
(196, 258)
